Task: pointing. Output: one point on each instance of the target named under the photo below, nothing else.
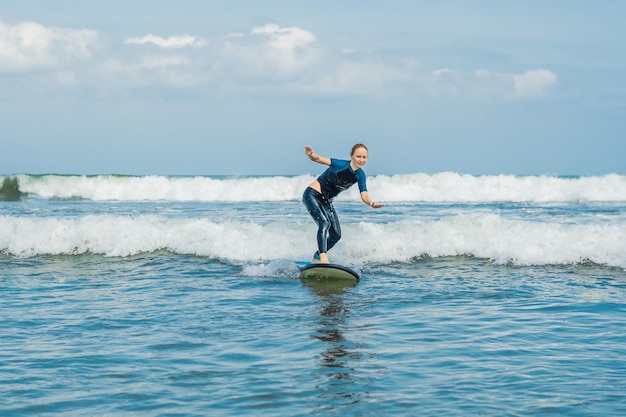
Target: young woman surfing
(318, 196)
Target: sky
(238, 87)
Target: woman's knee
(324, 224)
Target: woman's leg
(324, 216)
(334, 232)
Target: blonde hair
(357, 146)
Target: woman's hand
(314, 157)
(365, 197)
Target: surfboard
(328, 272)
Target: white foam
(453, 187)
(443, 187)
(275, 268)
(483, 235)
(155, 188)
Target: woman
(319, 195)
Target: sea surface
(180, 296)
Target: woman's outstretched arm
(315, 157)
(368, 200)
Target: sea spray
(483, 235)
(447, 187)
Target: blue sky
(238, 87)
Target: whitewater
(443, 187)
(519, 220)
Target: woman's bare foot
(324, 258)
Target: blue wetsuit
(338, 177)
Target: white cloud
(484, 83)
(232, 35)
(533, 83)
(163, 61)
(171, 42)
(286, 50)
(487, 84)
(442, 82)
(66, 78)
(269, 58)
(28, 45)
(290, 60)
(530, 84)
(269, 54)
(171, 70)
(285, 38)
(368, 76)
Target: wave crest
(447, 187)
(483, 235)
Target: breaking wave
(447, 187)
(483, 235)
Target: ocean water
(180, 296)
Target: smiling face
(358, 158)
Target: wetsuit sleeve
(361, 179)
